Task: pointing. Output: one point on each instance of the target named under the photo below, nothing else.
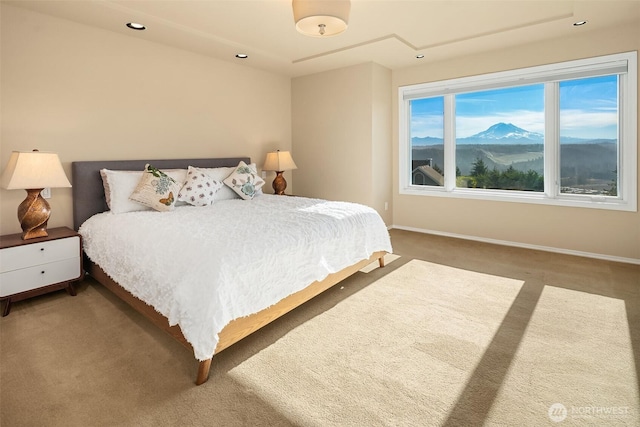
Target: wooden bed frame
(88, 199)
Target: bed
(210, 276)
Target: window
(592, 168)
(562, 134)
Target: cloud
(589, 124)
(427, 125)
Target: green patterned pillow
(244, 181)
(156, 190)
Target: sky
(588, 109)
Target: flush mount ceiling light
(136, 26)
(321, 18)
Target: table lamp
(279, 161)
(33, 171)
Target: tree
(493, 178)
(478, 167)
(613, 189)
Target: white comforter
(203, 267)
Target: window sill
(595, 202)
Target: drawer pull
(42, 272)
(42, 249)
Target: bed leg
(203, 371)
(381, 261)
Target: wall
(603, 233)
(381, 145)
(342, 135)
(90, 94)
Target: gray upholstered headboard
(88, 191)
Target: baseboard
(521, 245)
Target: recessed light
(419, 56)
(242, 55)
(579, 23)
(136, 26)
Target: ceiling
(389, 32)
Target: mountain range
(506, 134)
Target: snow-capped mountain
(500, 133)
(503, 132)
(506, 134)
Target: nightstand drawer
(25, 279)
(20, 257)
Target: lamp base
(33, 214)
(279, 183)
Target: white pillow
(199, 188)
(245, 181)
(119, 185)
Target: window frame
(550, 75)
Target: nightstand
(36, 266)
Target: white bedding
(202, 267)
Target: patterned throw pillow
(118, 186)
(219, 174)
(156, 189)
(244, 181)
(199, 188)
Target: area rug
(431, 345)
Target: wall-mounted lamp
(279, 161)
(321, 18)
(33, 171)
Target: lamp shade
(279, 161)
(321, 18)
(33, 169)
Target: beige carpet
(414, 344)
